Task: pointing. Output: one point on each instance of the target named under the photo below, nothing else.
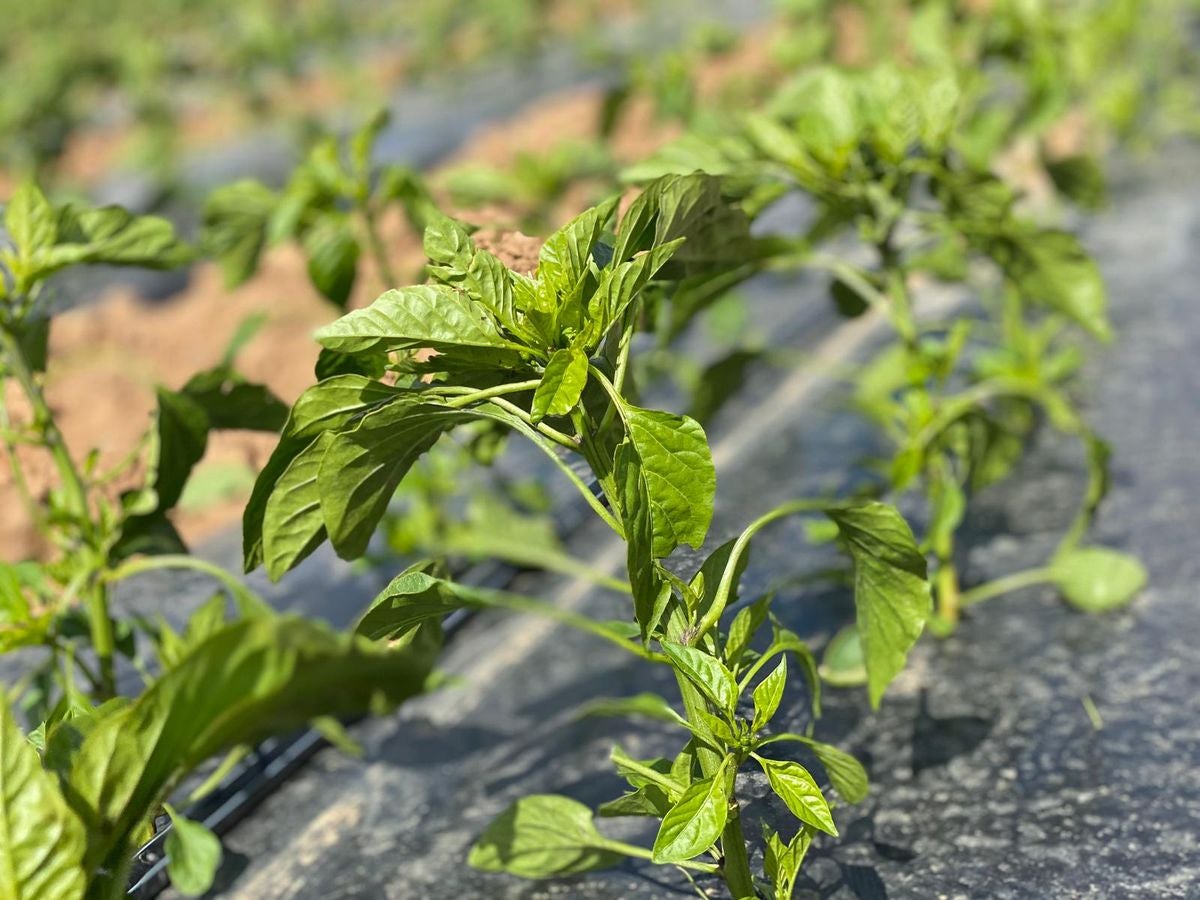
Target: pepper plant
(877, 153)
(83, 789)
(100, 524)
(548, 356)
(332, 206)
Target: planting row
(559, 350)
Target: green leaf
(796, 788)
(1096, 579)
(113, 236)
(360, 469)
(707, 673)
(180, 439)
(846, 773)
(1051, 267)
(293, 526)
(1080, 179)
(849, 302)
(230, 401)
(30, 220)
(651, 706)
(843, 664)
(695, 823)
(411, 598)
(650, 591)
(561, 385)
(332, 252)
(640, 773)
(234, 227)
(681, 481)
(41, 853)
(428, 315)
(193, 854)
(768, 695)
(543, 836)
(252, 679)
(891, 593)
(649, 800)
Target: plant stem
(52, 438)
(563, 440)
(725, 588)
(103, 642)
(386, 275)
(642, 853)
(735, 868)
(474, 396)
(1005, 585)
(946, 588)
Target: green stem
(642, 853)
(475, 396)
(33, 508)
(375, 241)
(52, 438)
(495, 599)
(103, 642)
(725, 587)
(521, 554)
(1007, 584)
(248, 602)
(563, 440)
(735, 868)
(948, 597)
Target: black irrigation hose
(275, 760)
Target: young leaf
(41, 853)
(332, 252)
(193, 854)
(561, 385)
(543, 836)
(768, 695)
(846, 773)
(706, 673)
(799, 792)
(428, 315)
(782, 862)
(694, 823)
(30, 220)
(1096, 579)
(891, 592)
(681, 481)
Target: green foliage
(331, 207)
(80, 810)
(549, 357)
